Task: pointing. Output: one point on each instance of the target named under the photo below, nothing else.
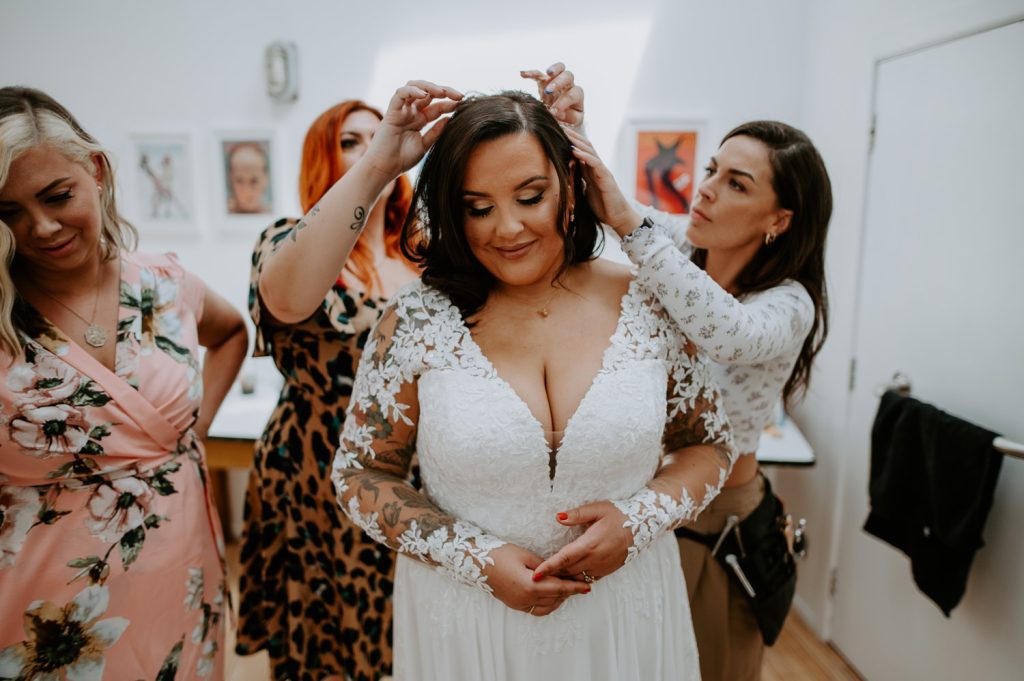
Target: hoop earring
(769, 237)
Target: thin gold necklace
(544, 311)
(94, 335)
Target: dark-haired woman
(744, 278)
(528, 377)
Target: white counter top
(244, 416)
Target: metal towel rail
(901, 383)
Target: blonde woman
(110, 554)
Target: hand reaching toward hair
(402, 140)
(557, 88)
(603, 194)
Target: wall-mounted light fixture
(282, 70)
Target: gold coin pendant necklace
(94, 335)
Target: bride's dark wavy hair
(434, 233)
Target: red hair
(321, 168)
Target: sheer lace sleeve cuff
(378, 442)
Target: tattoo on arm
(360, 216)
(392, 511)
(313, 212)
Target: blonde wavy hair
(29, 119)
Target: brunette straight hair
(435, 236)
(801, 185)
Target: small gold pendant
(95, 336)
(543, 312)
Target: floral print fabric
(110, 560)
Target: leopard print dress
(315, 590)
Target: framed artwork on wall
(245, 169)
(665, 162)
(161, 176)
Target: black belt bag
(755, 554)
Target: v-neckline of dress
(606, 355)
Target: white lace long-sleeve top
(754, 340)
(489, 477)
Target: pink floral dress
(110, 554)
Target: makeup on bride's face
(510, 201)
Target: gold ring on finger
(587, 578)
(530, 611)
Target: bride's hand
(511, 579)
(401, 141)
(598, 552)
(603, 193)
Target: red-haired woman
(315, 590)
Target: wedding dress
(485, 462)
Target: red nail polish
(587, 591)
(562, 516)
(537, 576)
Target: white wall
(844, 39)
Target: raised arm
(303, 267)
(377, 445)
(774, 324)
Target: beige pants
(728, 639)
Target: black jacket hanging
(932, 480)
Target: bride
(549, 400)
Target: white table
(242, 418)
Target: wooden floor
(798, 655)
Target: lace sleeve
(773, 324)
(700, 453)
(675, 225)
(377, 444)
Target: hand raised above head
(511, 580)
(403, 137)
(557, 88)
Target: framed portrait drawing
(245, 169)
(665, 163)
(161, 176)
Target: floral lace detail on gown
(389, 366)
(425, 386)
(754, 339)
(694, 417)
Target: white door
(941, 299)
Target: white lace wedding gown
(485, 461)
